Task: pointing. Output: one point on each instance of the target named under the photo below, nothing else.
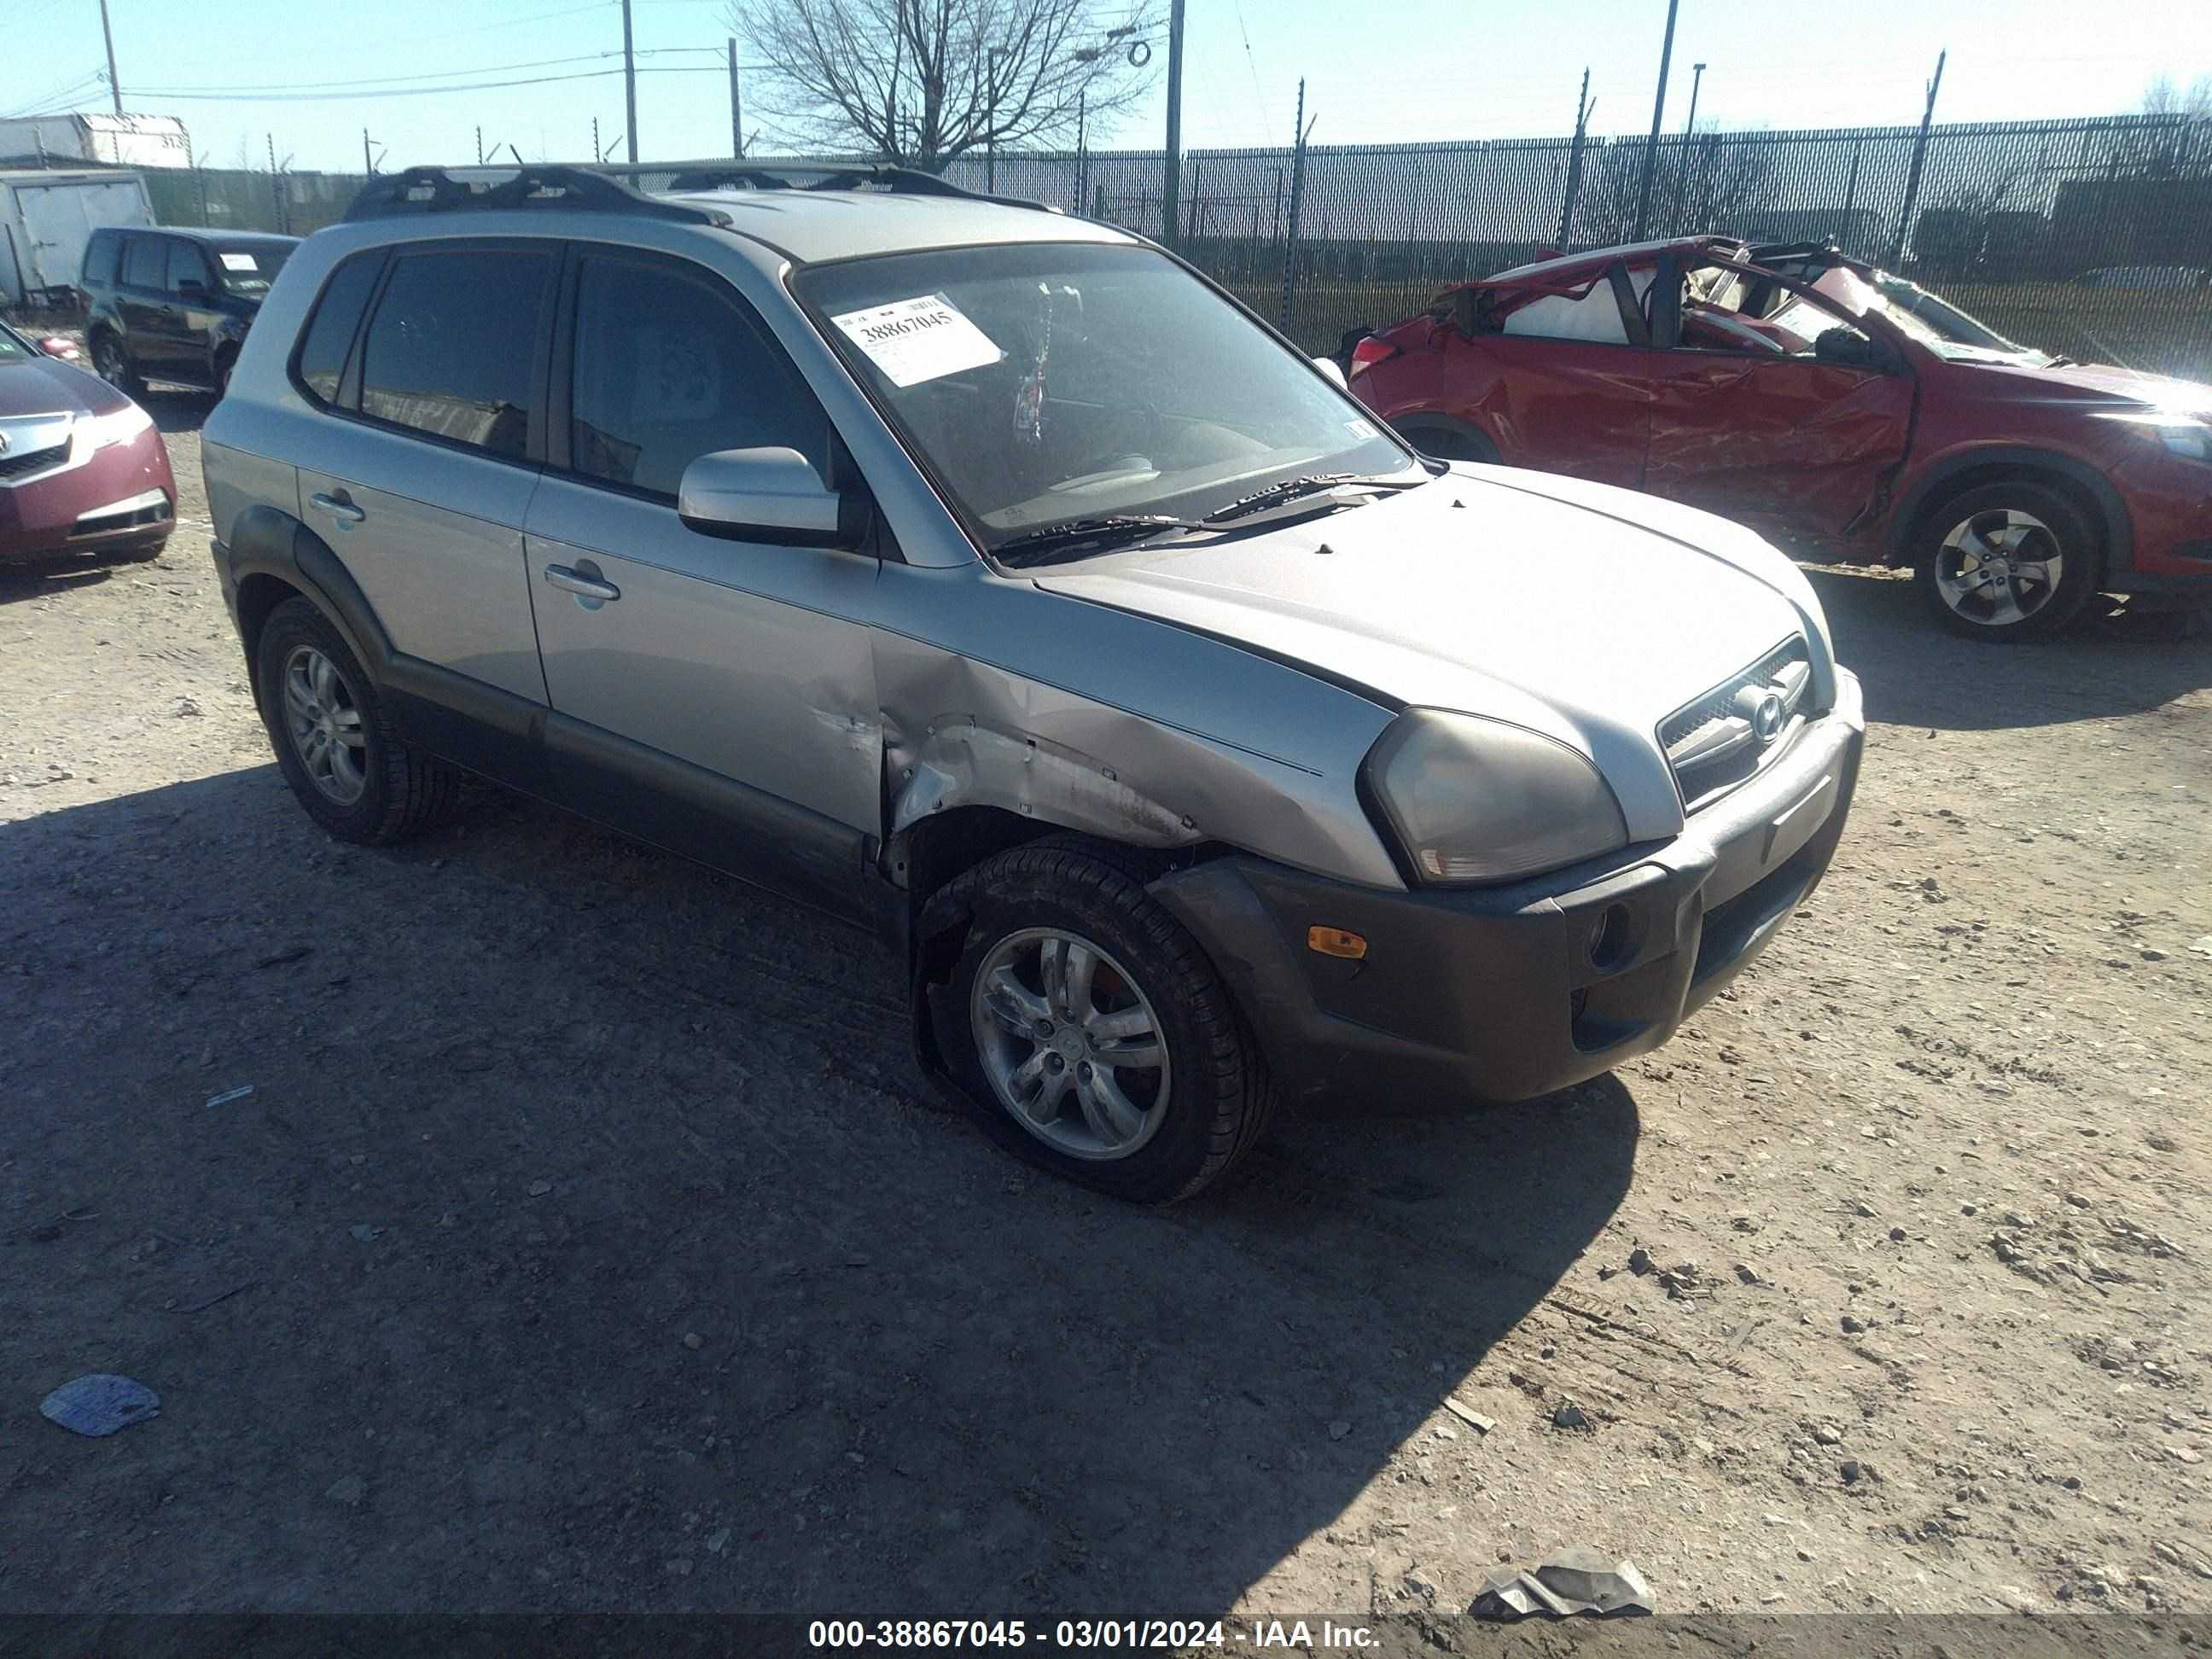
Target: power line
(422, 92)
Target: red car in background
(1796, 388)
(82, 467)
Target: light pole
(1171, 184)
(991, 119)
(629, 85)
(1689, 137)
(1658, 114)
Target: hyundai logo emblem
(1766, 719)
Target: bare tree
(2176, 141)
(1707, 184)
(919, 82)
(2161, 97)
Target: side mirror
(1333, 371)
(767, 495)
(1847, 348)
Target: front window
(11, 349)
(1048, 382)
(248, 271)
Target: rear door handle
(338, 507)
(583, 586)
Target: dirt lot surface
(586, 1241)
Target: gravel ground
(586, 1241)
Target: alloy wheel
(2000, 568)
(108, 362)
(1071, 1044)
(325, 725)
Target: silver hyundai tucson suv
(990, 579)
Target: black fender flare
(1932, 485)
(268, 541)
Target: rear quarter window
(100, 257)
(327, 340)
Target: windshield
(1955, 333)
(249, 270)
(1044, 383)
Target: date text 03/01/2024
(1081, 1634)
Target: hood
(39, 384)
(1588, 613)
(2088, 382)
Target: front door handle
(583, 586)
(338, 507)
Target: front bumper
(126, 493)
(1508, 992)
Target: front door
(717, 696)
(1752, 419)
(189, 320)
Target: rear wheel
(2010, 561)
(335, 743)
(1089, 1032)
(111, 362)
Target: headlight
(1475, 800)
(119, 426)
(2184, 435)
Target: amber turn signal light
(1335, 942)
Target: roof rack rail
(827, 175)
(443, 190)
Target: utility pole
(1575, 164)
(1171, 185)
(367, 164)
(1082, 145)
(1658, 113)
(629, 82)
(736, 109)
(113, 85)
(1689, 132)
(1919, 156)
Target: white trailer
(46, 217)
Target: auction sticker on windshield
(238, 262)
(919, 339)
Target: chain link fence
(2090, 238)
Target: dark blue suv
(174, 305)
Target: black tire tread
(1095, 876)
(414, 791)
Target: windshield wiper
(1292, 489)
(1075, 536)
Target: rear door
(1574, 386)
(1749, 419)
(717, 696)
(142, 301)
(420, 479)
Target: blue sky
(1472, 70)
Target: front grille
(1716, 741)
(37, 460)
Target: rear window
(144, 266)
(329, 337)
(451, 348)
(99, 257)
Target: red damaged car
(82, 467)
(1797, 388)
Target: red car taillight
(1370, 352)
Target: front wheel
(111, 362)
(2007, 562)
(1089, 1032)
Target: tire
(111, 360)
(2055, 561)
(1178, 1127)
(1451, 443)
(228, 361)
(360, 782)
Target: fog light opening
(1611, 943)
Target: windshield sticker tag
(238, 262)
(919, 339)
(1359, 429)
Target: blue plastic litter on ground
(101, 1404)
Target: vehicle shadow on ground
(44, 576)
(585, 1244)
(176, 408)
(1917, 673)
